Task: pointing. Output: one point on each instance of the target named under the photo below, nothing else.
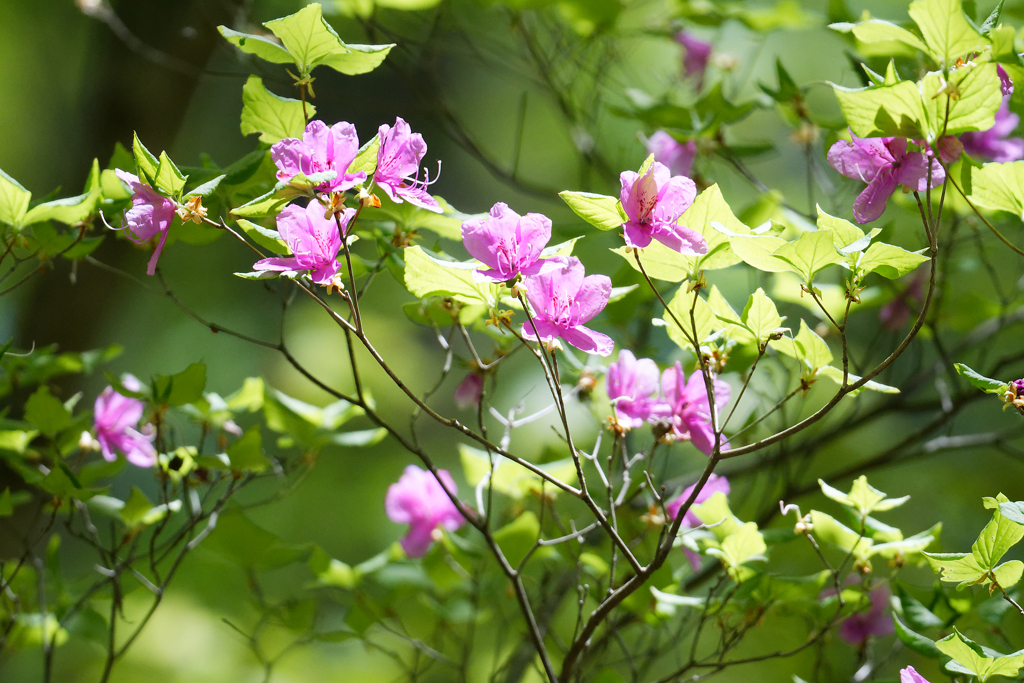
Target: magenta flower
(115, 418)
(715, 484)
(654, 202)
(469, 390)
(857, 628)
(884, 164)
(419, 500)
(633, 388)
(313, 240)
(151, 213)
(320, 149)
(509, 244)
(1005, 83)
(690, 410)
(696, 56)
(910, 675)
(678, 156)
(398, 158)
(995, 143)
(562, 300)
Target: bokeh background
(75, 83)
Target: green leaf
(836, 375)
(828, 530)
(601, 211)
(715, 513)
(946, 30)
(306, 36)
(6, 503)
(807, 347)
(46, 412)
(961, 568)
(262, 47)
(996, 186)
(863, 497)
(743, 546)
(877, 31)
(986, 384)
(185, 387)
(973, 660)
(1013, 511)
(734, 329)
(14, 200)
(761, 316)
(977, 99)
(757, 250)
(71, 210)
(707, 210)
(206, 189)
(880, 111)
(916, 641)
(704, 319)
(426, 276)
(356, 59)
(1008, 573)
(16, 441)
(510, 478)
(246, 454)
(366, 157)
(269, 204)
(998, 536)
(810, 253)
(846, 236)
(518, 537)
(268, 239)
(273, 117)
(145, 162)
(889, 261)
(136, 507)
(168, 178)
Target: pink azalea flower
(509, 244)
(697, 54)
(884, 164)
(910, 675)
(115, 418)
(313, 240)
(654, 202)
(468, 392)
(419, 500)
(715, 484)
(678, 156)
(562, 300)
(690, 411)
(398, 157)
(151, 213)
(857, 628)
(1005, 83)
(995, 143)
(633, 387)
(320, 149)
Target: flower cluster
(680, 404)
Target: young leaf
(974, 661)
(268, 239)
(973, 105)
(997, 186)
(877, 31)
(185, 387)
(246, 454)
(262, 47)
(14, 200)
(881, 111)
(601, 211)
(863, 497)
(356, 59)
(306, 36)
(708, 213)
(168, 178)
(46, 412)
(946, 30)
(809, 254)
(998, 536)
(269, 204)
(836, 375)
(704, 319)
(986, 384)
(916, 641)
(426, 276)
(807, 346)
(742, 546)
(273, 117)
(136, 507)
(889, 261)
(145, 162)
(517, 538)
(761, 316)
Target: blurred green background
(462, 76)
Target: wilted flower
(509, 244)
(468, 392)
(633, 388)
(654, 202)
(419, 500)
(320, 149)
(696, 55)
(562, 300)
(884, 164)
(314, 241)
(398, 158)
(115, 418)
(677, 156)
(690, 410)
(715, 484)
(857, 628)
(910, 675)
(151, 213)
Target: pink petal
(592, 296)
(870, 204)
(589, 341)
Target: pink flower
(715, 484)
(884, 164)
(313, 240)
(654, 202)
(910, 675)
(562, 300)
(696, 56)
(320, 149)
(995, 143)
(115, 418)
(509, 244)
(690, 411)
(398, 157)
(678, 156)
(419, 500)
(857, 628)
(151, 213)
(1005, 83)
(631, 383)
(468, 392)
